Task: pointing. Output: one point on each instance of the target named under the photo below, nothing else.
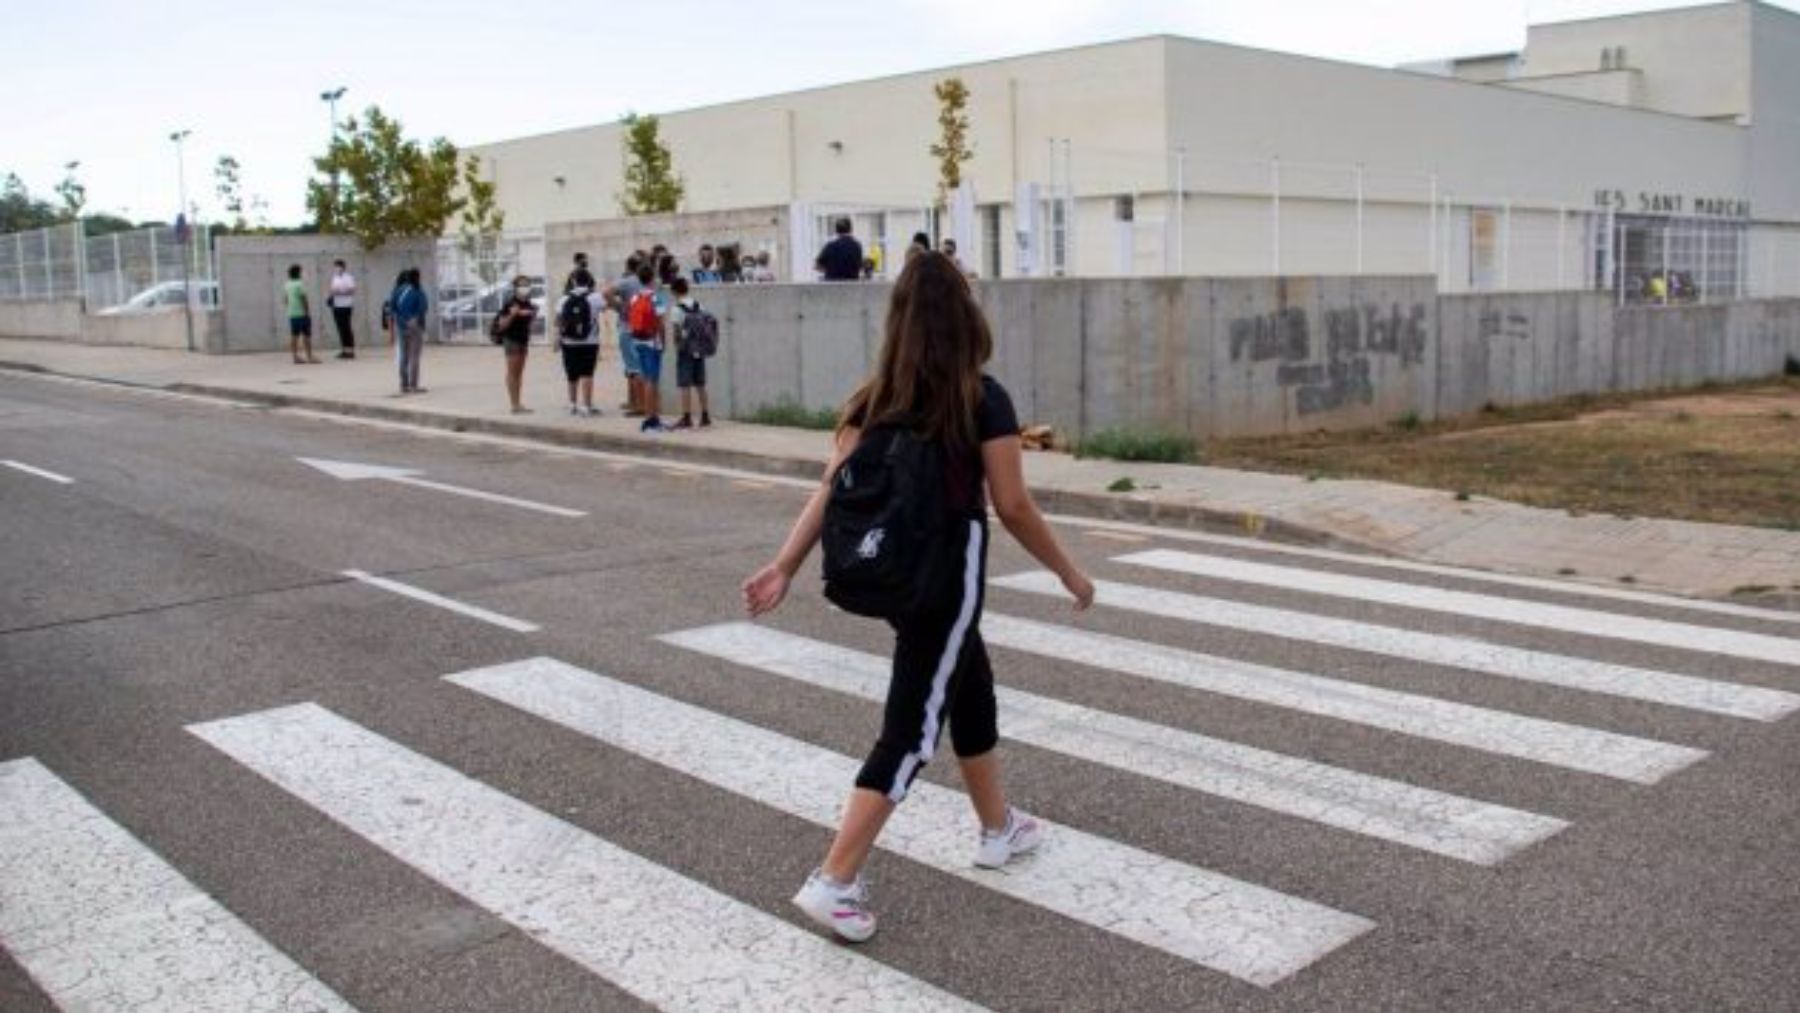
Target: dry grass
(1728, 455)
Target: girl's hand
(1080, 588)
(765, 589)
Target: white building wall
(1695, 61)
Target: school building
(1602, 152)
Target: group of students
(402, 318)
(655, 309)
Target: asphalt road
(192, 573)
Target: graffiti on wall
(1495, 324)
(1354, 337)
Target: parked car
(167, 296)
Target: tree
(19, 210)
(228, 183)
(651, 184)
(482, 221)
(72, 193)
(103, 224)
(952, 148)
(378, 185)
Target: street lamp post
(184, 230)
(330, 98)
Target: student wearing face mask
(512, 332)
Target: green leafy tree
(482, 221)
(228, 183)
(377, 185)
(19, 210)
(652, 186)
(952, 149)
(103, 224)
(72, 194)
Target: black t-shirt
(518, 331)
(841, 259)
(994, 417)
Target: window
(1124, 208)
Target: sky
(105, 82)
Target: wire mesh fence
(141, 269)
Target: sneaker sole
(832, 925)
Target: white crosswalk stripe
(1730, 699)
(102, 923)
(1433, 821)
(666, 939)
(1576, 748)
(1610, 625)
(1249, 932)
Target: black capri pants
(941, 671)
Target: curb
(1131, 508)
(1135, 509)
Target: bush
(791, 414)
(1410, 422)
(1131, 445)
(1793, 366)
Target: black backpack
(576, 318)
(888, 529)
(699, 333)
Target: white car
(167, 296)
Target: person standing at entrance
(842, 258)
(930, 380)
(512, 332)
(409, 329)
(342, 297)
(299, 314)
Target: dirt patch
(1727, 455)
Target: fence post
(155, 271)
(1667, 229)
(19, 259)
(118, 272)
(1705, 261)
(1275, 210)
(81, 263)
(1506, 245)
(49, 267)
(1431, 237)
(1562, 216)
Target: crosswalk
(101, 921)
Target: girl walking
(930, 376)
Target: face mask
(522, 292)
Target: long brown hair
(936, 342)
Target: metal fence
(474, 281)
(142, 267)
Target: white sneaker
(574, 410)
(1021, 834)
(842, 909)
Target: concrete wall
(252, 270)
(63, 320)
(1253, 356)
(608, 242)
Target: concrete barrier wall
(1253, 356)
(63, 320)
(55, 319)
(1195, 355)
(252, 270)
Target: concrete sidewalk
(464, 393)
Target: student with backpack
(644, 320)
(903, 518)
(578, 338)
(618, 297)
(511, 330)
(409, 306)
(696, 340)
